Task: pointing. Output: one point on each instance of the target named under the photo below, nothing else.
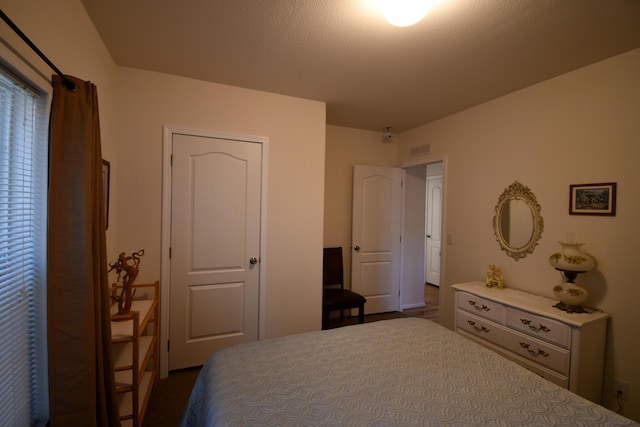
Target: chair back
(332, 269)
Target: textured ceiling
(369, 73)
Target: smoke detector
(388, 137)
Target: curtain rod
(66, 83)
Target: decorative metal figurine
(127, 269)
(494, 277)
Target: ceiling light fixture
(403, 13)
(388, 137)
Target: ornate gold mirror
(517, 222)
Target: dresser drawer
(538, 351)
(547, 374)
(481, 307)
(482, 328)
(525, 346)
(539, 326)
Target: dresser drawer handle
(541, 327)
(534, 353)
(473, 325)
(481, 307)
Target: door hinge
(169, 252)
(168, 346)
(172, 160)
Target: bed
(401, 372)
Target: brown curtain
(82, 386)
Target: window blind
(23, 198)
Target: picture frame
(106, 177)
(593, 199)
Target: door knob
(356, 247)
(253, 260)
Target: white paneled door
(376, 236)
(215, 245)
(434, 229)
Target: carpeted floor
(169, 396)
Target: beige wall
(63, 31)
(581, 127)
(295, 177)
(413, 239)
(134, 105)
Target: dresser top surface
(533, 303)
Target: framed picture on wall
(106, 175)
(592, 199)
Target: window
(23, 205)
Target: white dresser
(565, 348)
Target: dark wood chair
(335, 296)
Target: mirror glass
(517, 222)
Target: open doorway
(422, 234)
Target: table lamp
(571, 261)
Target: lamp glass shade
(571, 258)
(571, 261)
(403, 13)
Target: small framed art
(592, 199)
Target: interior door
(434, 229)
(215, 243)
(376, 236)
